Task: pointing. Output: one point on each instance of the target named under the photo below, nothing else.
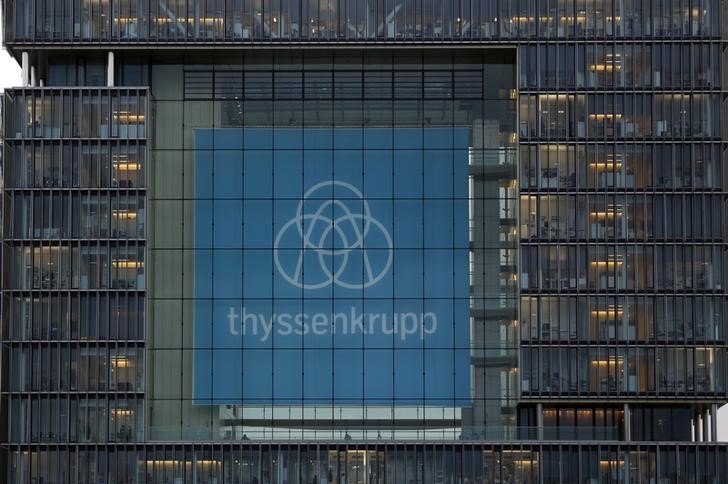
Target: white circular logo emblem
(332, 231)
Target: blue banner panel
(331, 266)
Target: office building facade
(364, 240)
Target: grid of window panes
(622, 244)
(73, 246)
(459, 462)
(327, 92)
(622, 226)
(241, 20)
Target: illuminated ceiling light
(128, 117)
(604, 116)
(604, 166)
(120, 361)
(210, 20)
(606, 263)
(124, 214)
(605, 67)
(126, 166)
(122, 412)
(611, 261)
(609, 361)
(127, 263)
(613, 210)
(609, 311)
(612, 63)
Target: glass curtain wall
(251, 20)
(73, 253)
(421, 142)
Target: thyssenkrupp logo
(333, 229)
